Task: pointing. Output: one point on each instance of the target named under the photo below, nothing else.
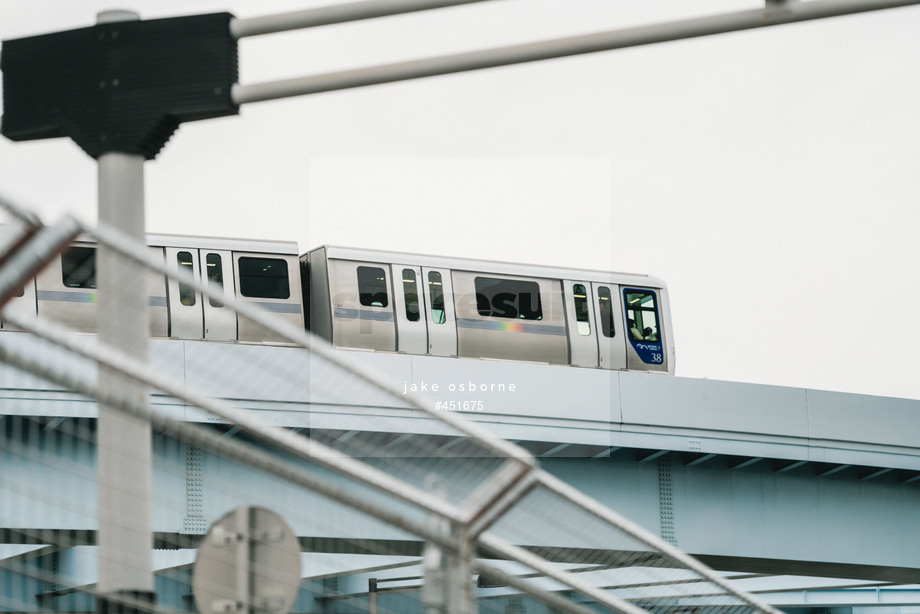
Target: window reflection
(436, 293)
(410, 290)
(580, 294)
(186, 292)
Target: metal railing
(410, 492)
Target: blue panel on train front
(650, 353)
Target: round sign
(248, 562)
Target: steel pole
(372, 596)
(124, 455)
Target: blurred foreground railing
(418, 510)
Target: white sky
(770, 177)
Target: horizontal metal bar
(747, 463)
(606, 453)
(20, 569)
(31, 257)
(492, 499)
(558, 48)
(700, 460)
(269, 462)
(283, 439)
(846, 596)
(876, 474)
(555, 450)
(338, 13)
(652, 456)
(554, 600)
(504, 549)
(24, 215)
(834, 470)
(630, 528)
(791, 466)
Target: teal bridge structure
(806, 498)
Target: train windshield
(642, 315)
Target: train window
(642, 315)
(508, 298)
(264, 277)
(186, 292)
(79, 267)
(580, 294)
(436, 292)
(410, 290)
(605, 304)
(215, 276)
(372, 286)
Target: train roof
(487, 266)
(267, 246)
(226, 243)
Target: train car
(383, 301)
(417, 304)
(265, 273)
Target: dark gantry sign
(119, 87)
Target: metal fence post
(124, 455)
(447, 586)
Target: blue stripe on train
(86, 297)
(363, 314)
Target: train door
(580, 322)
(66, 289)
(409, 301)
(219, 321)
(156, 291)
(644, 330)
(186, 316)
(439, 310)
(611, 344)
(270, 282)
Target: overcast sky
(770, 177)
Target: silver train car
(385, 301)
(265, 273)
(417, 304)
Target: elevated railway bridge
(807, 497)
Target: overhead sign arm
(337, 13)
(127, 86)
(775, 12)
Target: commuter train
(386, 302)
